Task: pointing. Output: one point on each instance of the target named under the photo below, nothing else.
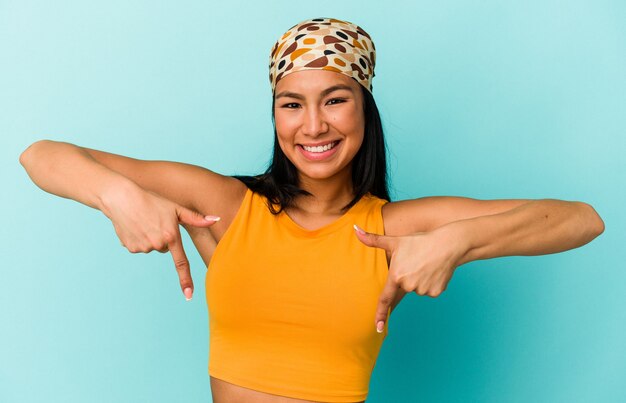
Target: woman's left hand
(423, 262)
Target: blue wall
(497, 100)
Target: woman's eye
(291, 105)
(335, 101)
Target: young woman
(307, 261)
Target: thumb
(186, 216)
(377, 241)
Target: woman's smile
(319, 152)
(320, 122)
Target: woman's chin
(321, 174)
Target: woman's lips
(315, 155)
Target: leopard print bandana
(324, 44)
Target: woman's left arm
(539, 227)
(424, 262)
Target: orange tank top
(291, 311)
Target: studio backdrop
(484, 99)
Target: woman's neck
(329, 195)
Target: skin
(425, 239)
(305, 116)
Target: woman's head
(326, 122)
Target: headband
(324, 44)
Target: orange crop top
(291, 311)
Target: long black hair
(279, 183)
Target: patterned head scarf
(324, 44)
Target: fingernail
(359, 230)
(212, 218)
(187, 293)
(379, 326)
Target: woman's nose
(314, 123)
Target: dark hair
(279, 183)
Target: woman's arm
(495, 228)
(69, 171)
(146, 201)
(84, 174)
(539, 227)
(424, 262)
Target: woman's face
(319, 121)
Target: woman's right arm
(145, 200)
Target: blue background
(479, 99)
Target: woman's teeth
(320, 149)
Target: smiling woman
(323, 131)
(306, 261)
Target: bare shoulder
(224, 197)
(427, 213)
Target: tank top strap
(372, 210)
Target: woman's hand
(145, 221)
(121, 188)
(422, 262)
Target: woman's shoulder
(403, 217)
(410, 216)
(232, 193)
(373, 201)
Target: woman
(307, 261)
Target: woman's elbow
(27, 155)
(600, 224)
(595, 222)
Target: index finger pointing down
(182, 266)
(387, 297)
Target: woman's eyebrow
(323, 93)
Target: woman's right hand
(143, 199)
(145, 221)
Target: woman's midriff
(226, 392)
